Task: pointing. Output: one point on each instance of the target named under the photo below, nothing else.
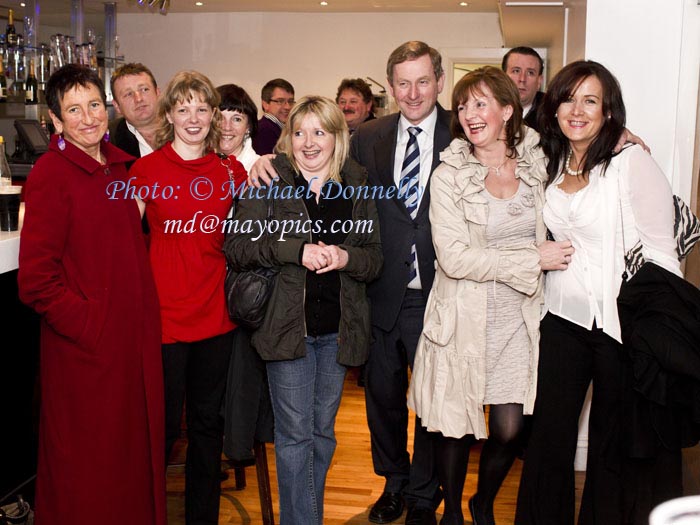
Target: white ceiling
(335, 6)
(533, 26)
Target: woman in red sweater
(185, 189)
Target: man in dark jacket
(525, 67)
(398, 297)
(135, 95)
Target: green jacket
(282, 334)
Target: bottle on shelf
(3, 83)
(10, 32)
(5, 175)
(31, 86)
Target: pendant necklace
(497, 169)
(567, 169)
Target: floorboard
(351, 488)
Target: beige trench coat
(448, 382)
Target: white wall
(653, 48)
(576, 31)
(313, 51)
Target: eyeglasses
(283, 101)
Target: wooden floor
(352, 486)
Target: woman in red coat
(187, 193)
(83, 266)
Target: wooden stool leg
(263, 473)
(239, 476)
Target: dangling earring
(246, 135)
(106, 137)
(556, 115)
(61, 142)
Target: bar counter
(19, 363)
(9, 246)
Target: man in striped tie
(401, 150)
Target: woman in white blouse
(603, 203)
(239, 122)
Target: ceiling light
(22, 4)
(534, 4)
(463, 4)
(324, 3)
(199, 4)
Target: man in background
(135, 97)
(354, 97)
(277, 101)
(525, 67)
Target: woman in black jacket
(324, 238)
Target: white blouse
(633, 192)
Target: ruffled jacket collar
(470, 173)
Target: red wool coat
(83, 266)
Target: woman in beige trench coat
(479, 344)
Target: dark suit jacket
(531, 117)
(121, 137)
(373, 145)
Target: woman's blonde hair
(332, 120)
(183, 87)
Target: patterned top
(511, 223)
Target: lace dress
(511, 223)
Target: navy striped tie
(409, 185)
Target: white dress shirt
(425, 145)
(633, 193)
(144, 147)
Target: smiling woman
(189, 270)
(317, 321)
(601, 202)
(83, 266)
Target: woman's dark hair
(504, 92)
(561, 88)
(65, 79)
(235, 98)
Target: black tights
(497, 456)
(452, 457)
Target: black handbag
(248, 292)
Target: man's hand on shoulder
(628, 136)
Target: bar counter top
(9, 246)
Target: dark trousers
(197, 371)
(570, 357)
(390, 356)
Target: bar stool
(263, 474)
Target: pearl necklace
(567, 169)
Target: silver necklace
(497, 169)
(567, 169)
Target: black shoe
(420, 516)
(472, 511)
(388, 508)
(483, 520)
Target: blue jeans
(305, 399)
